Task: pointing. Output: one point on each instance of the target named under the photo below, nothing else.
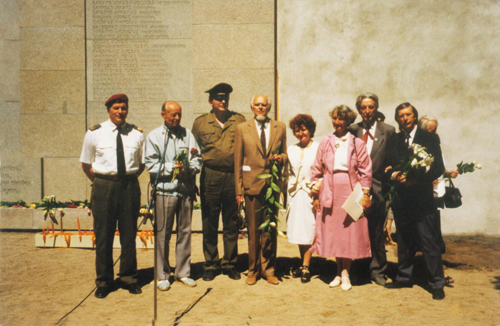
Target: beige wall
(42, 98)
(60, 62)
(442, 56)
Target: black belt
(116, 177)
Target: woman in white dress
(300, 213)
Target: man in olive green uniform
(214, 133)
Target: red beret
(120, 98)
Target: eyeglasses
(221, 98)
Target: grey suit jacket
(383, 132)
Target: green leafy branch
(272, 195)
(47, 201)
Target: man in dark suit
(414, 206)
(376, 135)
(254, 144)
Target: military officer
(214, 132)
(112, 158)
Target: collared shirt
(267, 129)
(182, 140)
(216, 142)
(411, 135)
(99, 148)
(341, 147)
(369, 143)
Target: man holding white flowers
(412, 202)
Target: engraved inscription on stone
(139, 47)
(138, 19)
(20, 179)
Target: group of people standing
(231, 153)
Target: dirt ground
(40, 286)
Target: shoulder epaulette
(236, 114)
(137, 128)
(201, 116)
(93, 128)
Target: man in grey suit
(376, 135)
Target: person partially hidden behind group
(342, 160)
(300, 212)
(431, 124)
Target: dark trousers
(376, 222)
(218, 194)
(417, 229)
(112, 202)
(262, 246)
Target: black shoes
(232, 273)
(209, 274)
(306, 275)
(102, 292)
(134, 288)
(379, 281)
(297, 272)
(399, 285)
(438, 294)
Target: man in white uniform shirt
(112, 158)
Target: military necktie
(120, 156)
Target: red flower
(194, 151)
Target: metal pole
(155, 229)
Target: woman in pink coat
(341, 161)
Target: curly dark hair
(304, 120)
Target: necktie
(366, 134)
(263, 138)
(407, 140)
(120, 157)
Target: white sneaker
(163, 285)
(187, 281)
(346, 283)
(335, 282)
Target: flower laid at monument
(272, 196)
(46, 201)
